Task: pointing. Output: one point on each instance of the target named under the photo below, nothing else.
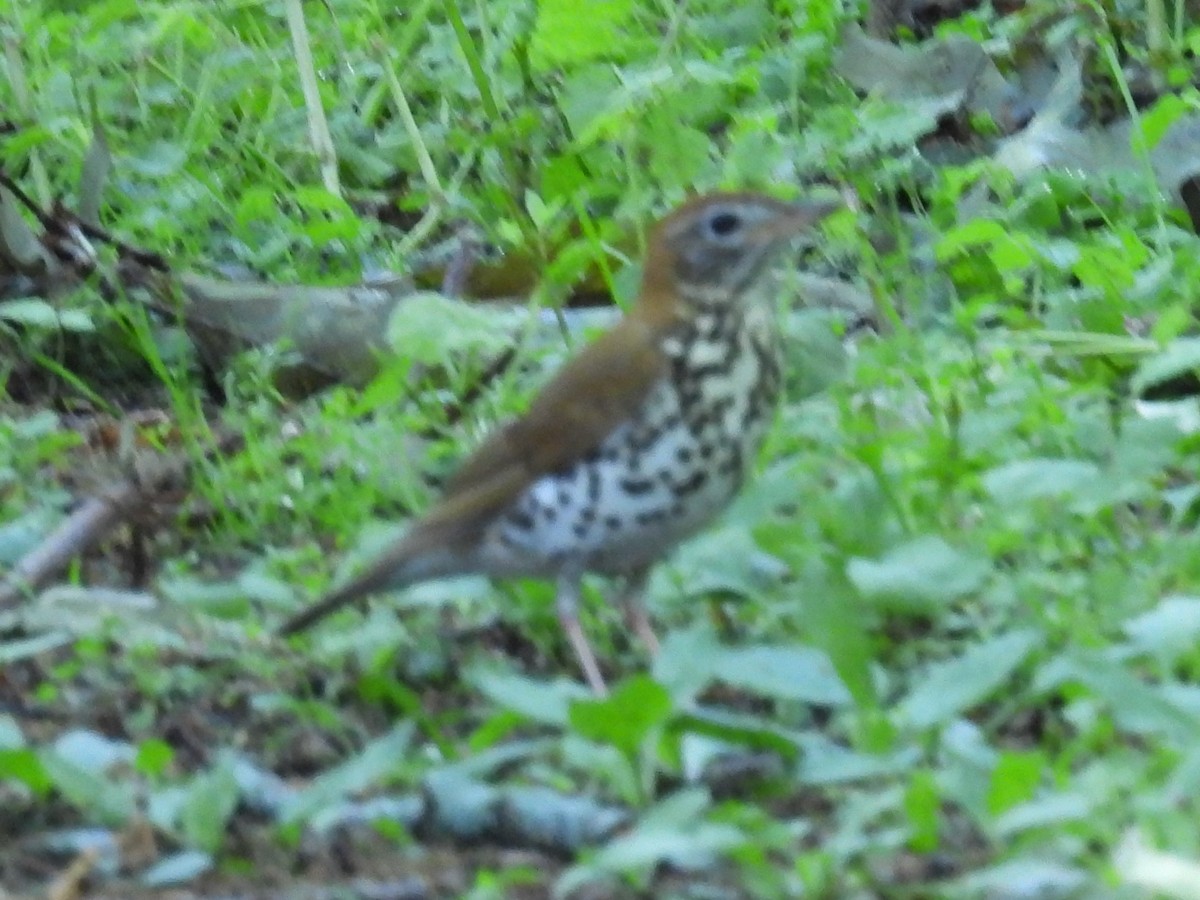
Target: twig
(62, 222)
(96, 518)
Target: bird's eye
(723, 224)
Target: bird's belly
(648, 486)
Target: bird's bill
(801, 215)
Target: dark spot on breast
(645, 438)
(649, 517)
(521, 520)
(693, 483)
(635, 487)
(732, 464)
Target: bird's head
(712, 248)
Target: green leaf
(569, 32)
(789, 673)
(975, 233)
(211, 800)
(25, 765)
(1179, 357)
(950, 688)
(922, 805)
(748, 731)
(674, 832)
(626, 719)
(685, 663)
(726, 560)
(1135, 706)
(34, 313)
(11, 736)
(11, 651)
(1035, 479)
(176, 869)
(97, 795)
(153, 757)
(678, 153)
(1014, 779)
(159, 160)
(1169, 629)
(925, 571)
(1156, 120)
(536, 700)
(1052, 811)
(368, 767)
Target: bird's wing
(590, 396)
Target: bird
(636, 444)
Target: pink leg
(567, 603)
(632, 599)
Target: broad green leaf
(675, 832)
(569, 32)
(160, 159)
(23, 764)
(1014, 779)
(625, 719)
(1030, 875)
(36, 313)
(1134, 705)
(93, 751)
(949, 688)
(153, 757)
(684, 665)
(753, 732)
(823, 762)
(725, 560)
(545, 702)
(1035, 479)
(1161, 115)
(95, 794)
(789, 673)
(11, 651)
(1051, 811)
(211, 800)
(1179, 357)
(176, 869)
(11, 736)
(1169, 629)
(922, 805)
(925, 571)
(367, 768)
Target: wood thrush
(638, 442)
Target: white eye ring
(724, 224)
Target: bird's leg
(567, 604)
(632, 599)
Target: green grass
(949, 633)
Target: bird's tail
(421, 555)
